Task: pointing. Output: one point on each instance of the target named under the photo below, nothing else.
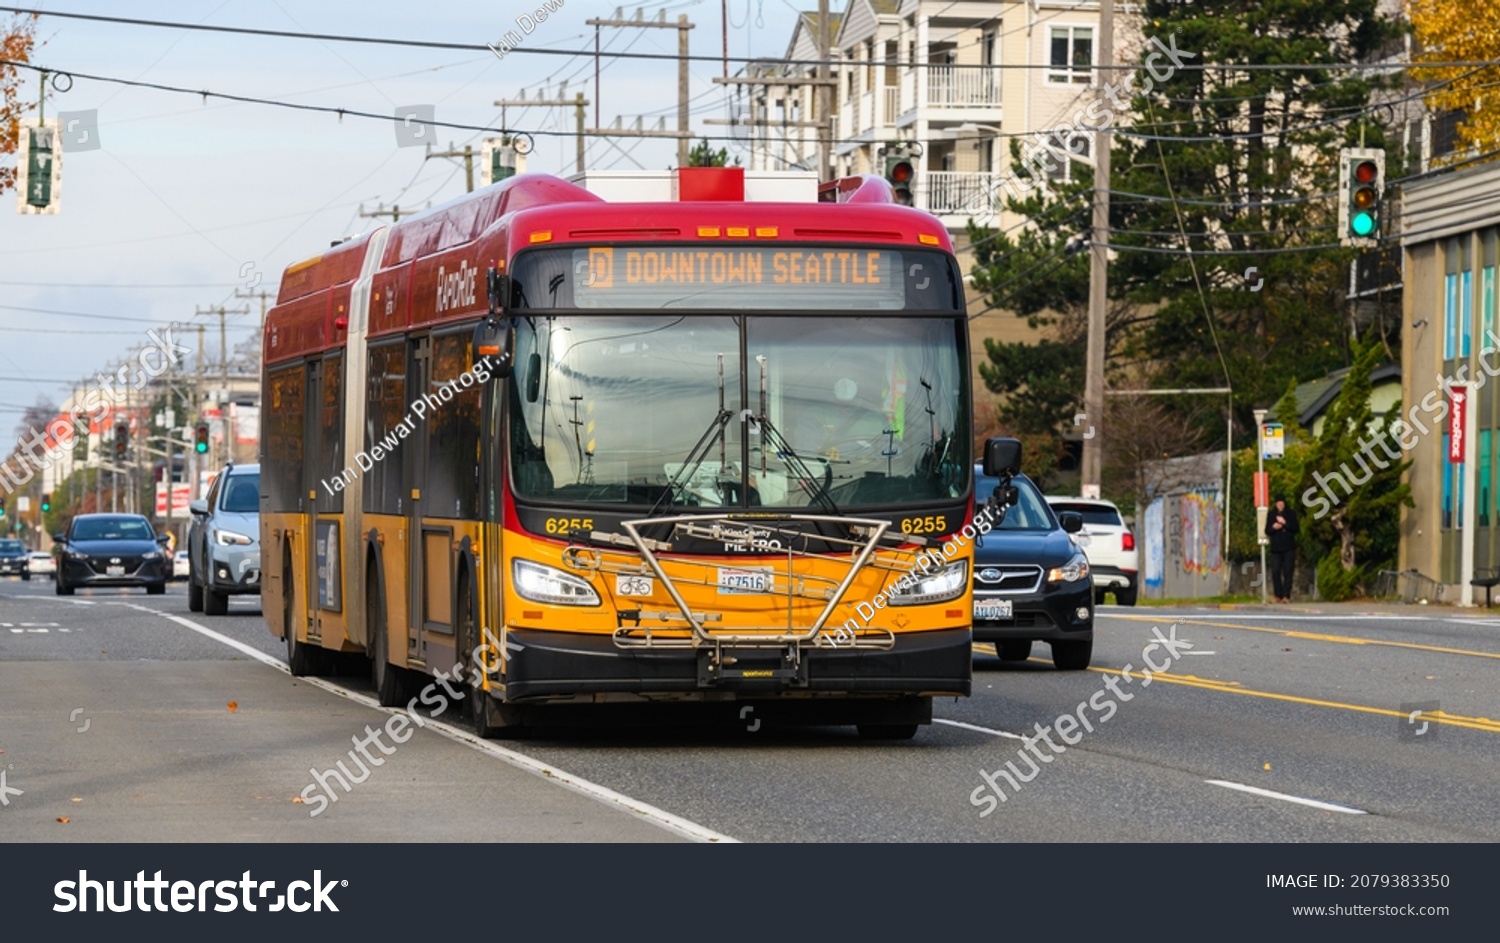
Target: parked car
(112, 550)
(41, 563)
(224, 541)
(1031, 582)
(13, 559)
(181, 568)
(1110, 546)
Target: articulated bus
(587, 454)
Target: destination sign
(774, 277)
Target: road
(123, 717)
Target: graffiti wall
(1184, 545)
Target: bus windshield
(610, 410)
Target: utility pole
(684, 134)
(224, 396)
(467, 154)
(1093, 388)
(578, 103)
(824, 95)
(394, 212)
(264, 297)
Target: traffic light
(122, 439)
(1361, 185)
(46, 503)
(2, 505)
(200, 439)
(900, 173)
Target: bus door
(326, 583)
(429, 545)
(307, 517)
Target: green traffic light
(1362, 224)
(201, 447)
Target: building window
(1450, 315)
(1072, 55)
(1465, 310)
(1486, 487)
(1447, 486)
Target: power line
(532, 50)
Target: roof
(1315, 396)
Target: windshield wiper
(700, 449)
(770, 435)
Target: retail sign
(1458, 408)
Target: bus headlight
(1075, 569)
(937, 586)
(544, 584)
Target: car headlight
(75, 555)
(228, 537)
(151, 555)
(544, 584)
(937, 586)
(1075, 569)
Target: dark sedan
(1031, 582)
(112, 550)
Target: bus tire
(301, 659)
(388, 680)
(488, 718)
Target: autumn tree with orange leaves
(16, 42)
(1461, 31)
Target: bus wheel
(488, 718)
(887, 731)
(301, 659)
(387, 679)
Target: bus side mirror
(495, 343)
(499, 292)
(1002, 458)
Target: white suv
(1109, 545)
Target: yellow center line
(1235, 687)
(1315, 636)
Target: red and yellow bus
(598, 454)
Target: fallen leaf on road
(64, 819)
(297, 800)
(77, 799)
(234, 706)
(1267, 767)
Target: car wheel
(215, 604)
(63, 589)
(1098, 597)
(156, 589)
(886, 731)
(195, 595)
(1072, 655)
(1014, 650)
(1125, 597)
(26, 577)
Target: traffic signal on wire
(46, 503)
(900, 173)
(200, 439)
(1361, 188)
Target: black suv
(1031, 582)
(13, 559)
(112, 550)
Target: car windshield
(243, 495)
(112, 528)
(1028, 513)
(11, 546)
(661, 410)
(1100, 514)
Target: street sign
(1458, 400)
(1273, 440)
(23, 504)
(182, 493)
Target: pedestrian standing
(1281, 528)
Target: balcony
(957, 193)
(951, 87)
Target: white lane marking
(1305, 617)
(988, 730)
(658, 817)
(1316, 804)
(1200, 653)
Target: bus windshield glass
(660, 410)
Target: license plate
(744, 581)
(992, 609)
(114, 571)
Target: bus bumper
(565, 666)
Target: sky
(186, 202)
